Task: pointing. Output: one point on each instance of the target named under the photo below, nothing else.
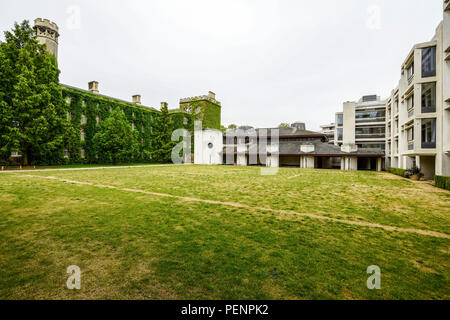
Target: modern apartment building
(362, 123)
(418, 110)
(329, 130)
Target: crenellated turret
(47, 33)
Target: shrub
(442, 182)
(397, 171)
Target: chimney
(212, 95)
(164, 104)
(137, 99)
(93, 86)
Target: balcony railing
(410, 112)
(371, 136)
(410, 79)
(428, 109)
(367, 120)
(428, 145)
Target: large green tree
(31, 103)
(162, 144)
(115, 139)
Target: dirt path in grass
(244, 206)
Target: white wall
(208, 145)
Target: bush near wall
(397, 171)
(442, 182)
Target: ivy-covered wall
(205, 108)
(85, 110)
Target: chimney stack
(93, 86)
(137, 99)
(164, 104)
(212, 95)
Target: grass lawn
(195, 232)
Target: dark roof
(283, 132)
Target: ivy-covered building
(87, 108)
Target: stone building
(87, 108)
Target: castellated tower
(47, 33)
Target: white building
(362, 123)
(418, 110)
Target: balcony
(428, 145)
(369, 120)
(428, 109)
(447, 52)
(410, 112)
(410, 79)
(370, 136)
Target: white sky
(268, 61)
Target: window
(132, 126)
(369, 98)
(97, 119)
(429, 62)
(82, 153)
(82, 135)
(83, 119)
(185, 120)
(410, 102)
(410, 138)
(83, 103)
(428, 133)
(410, 106)
(68, 100)
(410, 134)
(66, 153)
(370, 116)
(340, 120)
(340, 132)
(429, 97)
(410, 73)
(370, 132)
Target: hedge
(442, 182)
(397, 171)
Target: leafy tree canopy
(115, 139)
(31, 103)
(162, 143)
(284, 125)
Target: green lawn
(252, 240)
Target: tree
(115, 139)
(232, 126)
(162, 144)
(284, 125)
(31, 103)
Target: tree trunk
(25, 158)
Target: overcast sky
(267, 61)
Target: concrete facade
(362, 123)
(418, 110)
